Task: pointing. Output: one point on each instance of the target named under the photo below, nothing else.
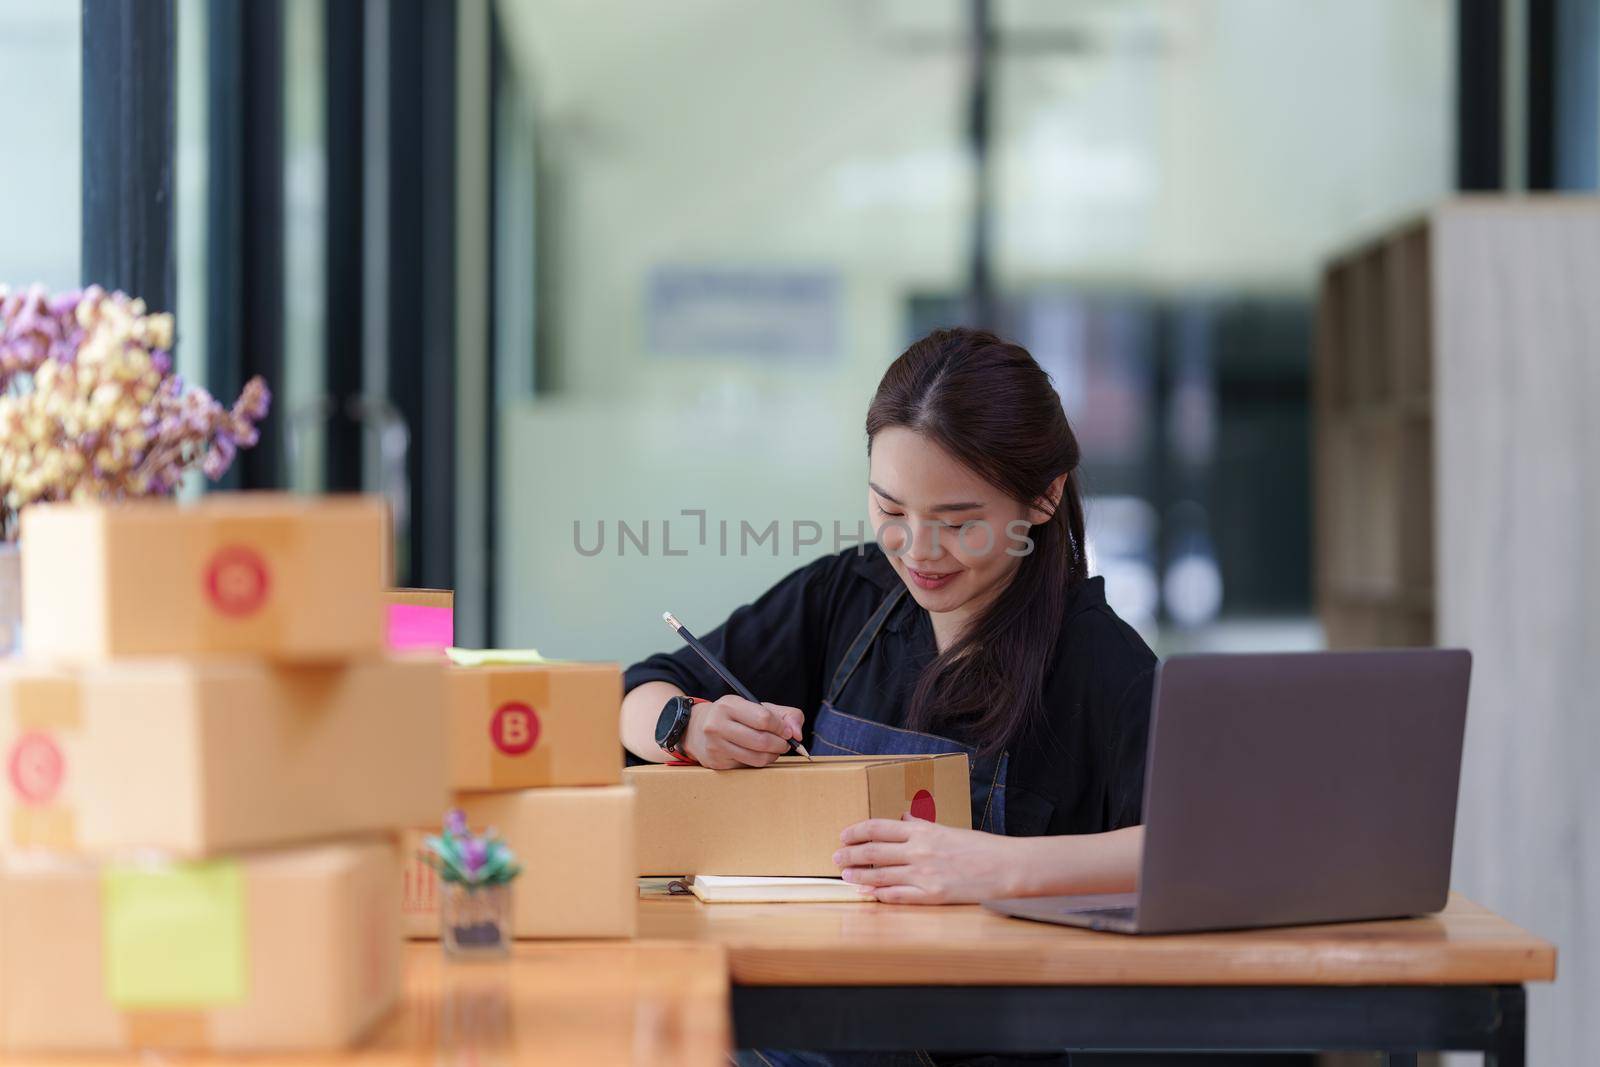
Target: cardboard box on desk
(785, 819)
(297, 949)
(421, 598)
(198, 756)
(576, 848)
(262, 574)
(420, 618)
(547, 724)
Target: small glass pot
(475, 920)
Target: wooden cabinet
(1457, 414)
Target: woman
(971, 626)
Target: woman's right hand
(733, 732)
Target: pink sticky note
(411, 626)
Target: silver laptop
(1290, 788)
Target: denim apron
(837, 733)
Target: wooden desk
(551, 1003)
(875, 976)
(560, 1003)
(871, 976)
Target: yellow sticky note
(497, 657)
(174, 934)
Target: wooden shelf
(1374, 442)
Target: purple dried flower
(65, 350)
(96, 359)
(63, 305)
(455, 822)
(253, 401)
(219, 457)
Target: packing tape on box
(52, 827)
(238, 583)
(175, 935)
(519, 751)
(44, 708)
(511, 772)
(919, 784)
(47, 703)
(919, 777)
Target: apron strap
(858, 648)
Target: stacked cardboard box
(207, 754)
(533, 753)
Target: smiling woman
(971, 626)
(966, 425)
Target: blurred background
(528, 264)
(596, 292)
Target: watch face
(668, 720)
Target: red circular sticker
(237, 580)
(514, 728)
(922, 806)
(36, 768)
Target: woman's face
(945, 529)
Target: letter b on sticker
(514, 728)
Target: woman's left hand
(912, 861)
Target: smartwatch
(674, 723)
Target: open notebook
(720, 889)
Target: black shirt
(1083, 773)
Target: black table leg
(1509, 1042)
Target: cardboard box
(286, 950)
(551, 724)
(420, 618)
(197, 756)
(576, 848)
(785, 819)
(265, 574)
(421, 598)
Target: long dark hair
(992, 407)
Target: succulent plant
(460, 856)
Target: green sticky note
(174, 934)
(497, 657)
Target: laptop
(1294, 788)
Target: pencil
(722, 672)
